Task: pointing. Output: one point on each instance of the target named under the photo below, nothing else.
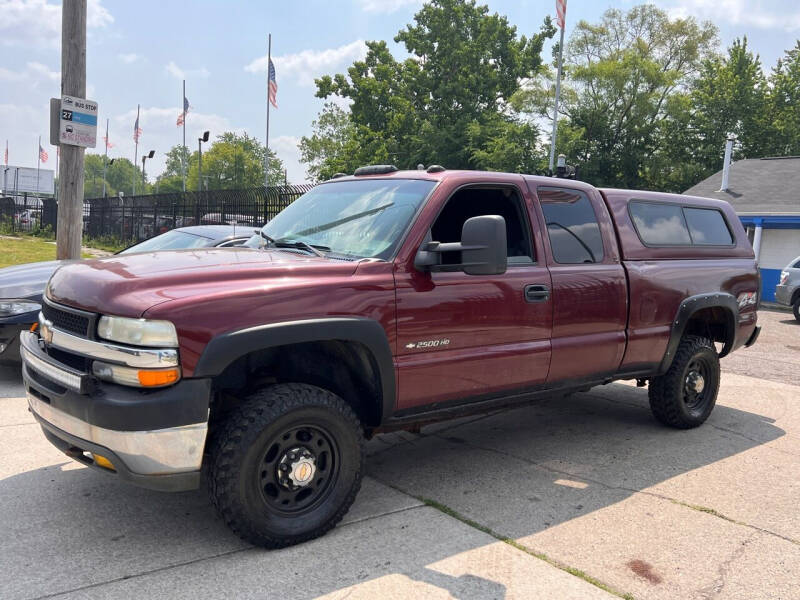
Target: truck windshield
(361, 218)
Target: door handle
(536, 293)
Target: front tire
(686, 394)
(286, 465)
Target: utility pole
(73, 83)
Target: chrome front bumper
(158, 452)
(154, 439)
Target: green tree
(730, 96)
(327, 150)
(619, 77)
(234, 161)
(171, 179)
(783, 102)
(119, 177)
(449, 103)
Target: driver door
(465, 337)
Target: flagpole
(38, 158)
(105, 161)
(136, 148)
(183, 152)
(5, 171)
(555, 109)
(266, 154)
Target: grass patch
(26, 249)
(512, 542)
(107, 243)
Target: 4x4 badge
(428, 344)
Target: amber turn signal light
(158, 378)
(34, 327)
(102, 461)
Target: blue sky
(138, 52)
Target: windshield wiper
(300, 245)
(332, 224)
(264, 236)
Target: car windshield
(171, 240)
(358, 218)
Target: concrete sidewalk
(562, 499)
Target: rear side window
(661, 224)
(707, 227)
(571, 226)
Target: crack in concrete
(703, 509)
(510, 541)
(715, 589)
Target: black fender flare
(689, 307)
(224, 349)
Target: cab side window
(572, 226)
(478, 201)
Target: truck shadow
(516, 472)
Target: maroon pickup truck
(375, 302)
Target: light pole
(200, 141)
(144, 158)
(111, 162)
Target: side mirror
(482, 247)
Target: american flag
(108, 144)
(561, 12)
(182, 116)
(6, 153)
(136, 131)
(273, 85)
(42, 154)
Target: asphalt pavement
(578, 497)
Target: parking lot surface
(579, 497)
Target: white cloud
(386, 6)
(307, 65)
(40, 70)
(752, 13)
(180, 74)
(129, 58)
(22, 125)
(38, 23)
(285, 147)
(34, 75)
(97, 15)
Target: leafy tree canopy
(448, 103)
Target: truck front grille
(72, 321)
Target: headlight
(9, 308)
(138, 332)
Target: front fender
(224, 349)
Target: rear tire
(796, 309)
(286, 465)
(686, 394)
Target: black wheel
(796, 309)
(686, 394)
(286, 465)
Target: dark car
(378, 302)
(21, 286)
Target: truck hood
(128, 285)
(28, 280)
